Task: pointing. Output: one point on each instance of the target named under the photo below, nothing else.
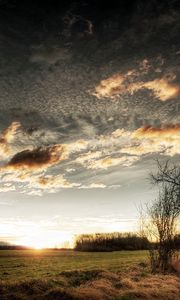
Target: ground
(66, 275)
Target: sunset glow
(42, 239)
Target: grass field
(66, 275)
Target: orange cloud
(168, 132)
(123, 83)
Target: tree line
(111, 242)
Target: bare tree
(163, 216)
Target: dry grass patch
(103, 285)
(88, 293)
(165, 287)
(109, 275)
(128, 283)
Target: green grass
(70, 275)
(34, 264)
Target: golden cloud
(4, 149)
(8, 133)
(163, 89)
(57, 181)
(107, 162)
(36, 183)
(150, 139)
(6, 138)
(123, 83)
(113, 85)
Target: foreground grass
(69, 275)
(28, 264)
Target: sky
(90, 98)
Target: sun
(38, 247)
(41, 239)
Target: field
(70, 275)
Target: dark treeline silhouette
(13, 247)
(111, 242)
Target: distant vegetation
(13, 247)
(111, 242)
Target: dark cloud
(37, 158)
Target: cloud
(77, 25)
(77, 146)
(146, 140)
(124, 148)
(113, 85)
(8, 133)
(57, 181)
(93, 186)
(16, 138)
(103, 159)
(7, 137)
(89, 156)
(119, 84)
(162, 89)
(4, 189)
(70, 170)
(38, 158)
(163, 133)
(35, 184)
(107, 162)
(4, 149)
(55, 166)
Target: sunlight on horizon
(38, 236)
(40, 240)
(42, 235)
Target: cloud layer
(58, 128)
(56, 166)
